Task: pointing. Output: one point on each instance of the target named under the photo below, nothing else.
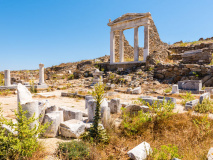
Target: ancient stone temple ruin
(119, 46)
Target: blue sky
(60, 31)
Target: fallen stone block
(51, 109)
(210, 154)
(23, 94)
(168, 99)
(175, 89)
(9, 129)
(204, 96)
(133, 109)
(92, 107)
(72, 128)
(55, 118)
(42, 107)
(136, 90)
(195, 85)
(24, 97)
(114, 105)
(87, 98)
(129, 90)
(151, 100)
(140, 152)
(189, 105)
(70, 113)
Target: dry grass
(40, 154)
(179, 129)
(186, 44)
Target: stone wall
(156, 46)
(172, 73)
(201, 56)
(182, 49)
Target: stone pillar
(136, 47)
(146, 42)
(112, 47)
(175, 89)
(41, 74)
(7, 81)
(121, 47)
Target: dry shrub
(191, 134)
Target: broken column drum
(41, 74)
(7, 81)
(128, 21)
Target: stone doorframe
(128, 21)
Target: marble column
(41, 74)
(121, 46)
(112, 47)
(7, 80)
(146, 42)
(136, 47)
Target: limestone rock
(210, 154)
(140, 152)
(87, 98)
(23, 94)
(54, 118)
(204, 96)
(70, 113)
(133, 109)
(115, 105)
(51, 109)
(72, 128)
(136, 90)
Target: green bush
(134, 124)
(131, 124)
(168, 90)
(32, 87)
(75, 150)
(23, 145)
(70, 77)
(186, 98)
(205, 107)
(96, 133)
(166, 153)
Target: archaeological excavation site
(141, 103)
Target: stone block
(190, 85)
(42, 105)
(23, 94)
(55, 119)
(136, 90)
(175, 89)
(87, 98)
(189, 105)
(133, 109)
(210, 154)
(115, 105)
(204, 96)
(51, 109)
(129, 90)
(140, 152)
(71, 113)
(168, 99)
(9, 129)
(152, 100)
(72, 128)
(92, 107)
